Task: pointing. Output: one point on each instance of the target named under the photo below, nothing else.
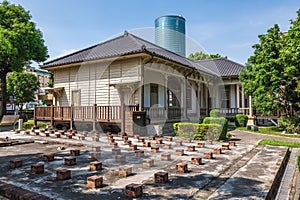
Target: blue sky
(227, 27)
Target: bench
(9, 120)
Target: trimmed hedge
(214, 113)
(241, 120)
(197, 131)
(222, 121)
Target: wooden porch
(71, 114)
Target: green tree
(20, 43)
(22, 87)
(290, 59)
(202, 56)
(269, 78)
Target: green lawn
(270, 130)
(279, 143)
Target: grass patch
(270, 130)
(279, 143)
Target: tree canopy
(202, 56)
(20, 43)
(272, 73)
(15, 87)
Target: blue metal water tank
(170, 33)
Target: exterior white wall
(94, 81)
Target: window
(76, 98)
(226, 97)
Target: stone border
(14, 192)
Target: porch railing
(81, 113)
(160, 113)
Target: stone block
(95, 138)
(141, 140)
(139, 153)
(75, 152)
(232, 143)
(155, 149)
(96, 148)
(167, 146)
(208, 155)
(81, 137)
(94, 166)
(148, 162)
(225, 146)
(125, 171)
(114, 145)
(147, 144)
(151, 137)
(161, 177)
(159, 141)
(127, 142)
(196, 160)
(94, 182)
(116, 151)
(63, 174)
(133, 190)
(191, 148)
(182, 167)
(70, 160)
(166, 156)
(37, 168)
(48, 157)
(217, 150)
(15, 164)
(133, 147)
(179, 152)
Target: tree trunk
(3, 93)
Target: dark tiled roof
(125, 44)
(222, 66)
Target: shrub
(197, 131)
(231, 119)
(241, 120)
(222, 121)
(214, 113)
(291, 124)
(30, 124)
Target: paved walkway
(254, 138)
(212, 178)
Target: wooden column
(71, 115)
(34, 117)
(166, 97)
(94, 117)
(122, 112)
(198, 100)
(52, 116)
(183, 102)
(238, 96)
